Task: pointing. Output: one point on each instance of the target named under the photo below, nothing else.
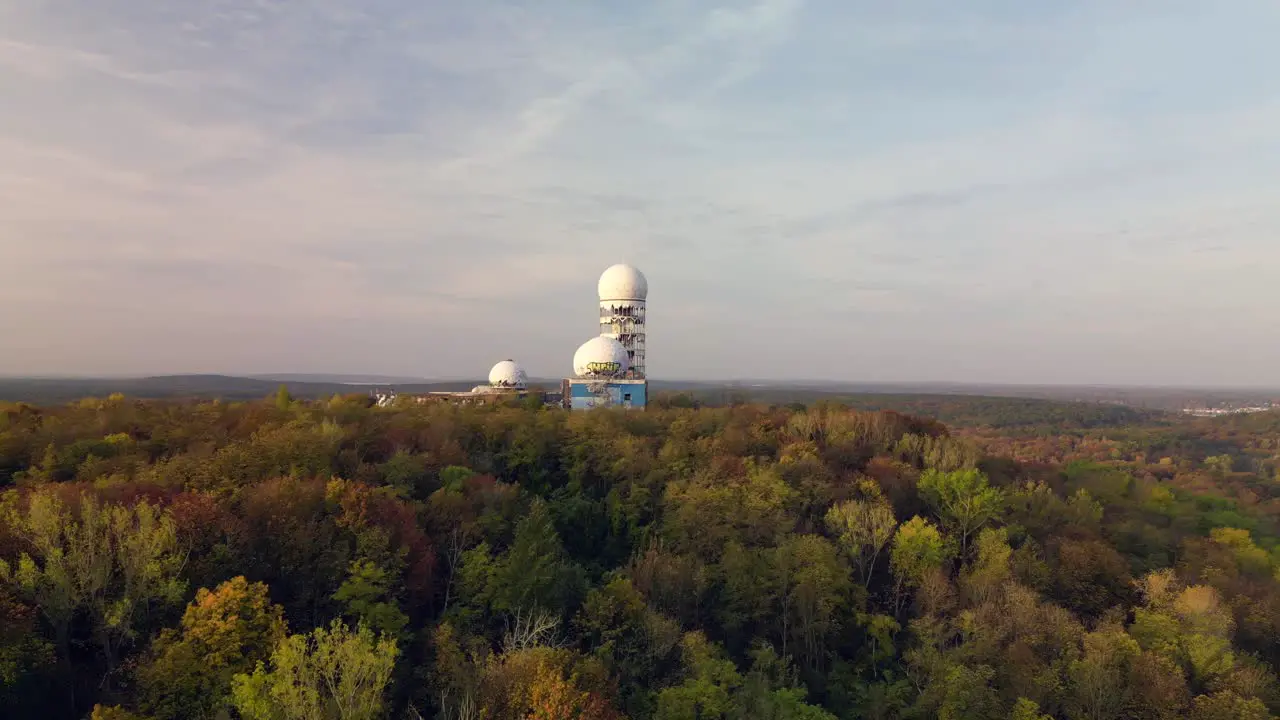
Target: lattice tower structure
(623, 293)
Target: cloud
(975, 191)
(744, 33)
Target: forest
(306, 559)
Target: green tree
(1250, 558)
(703, 515)
(117, 565)
(634, 643)
(771, 691)
(708, 688)
(917, 548)
(366, 597)
(1227, 705)
(1219, 464)
(1025, 709)
(332, 673)
(407, 473)
(811, 586)
(26, 658)
(967, 694)
(534, 572)
(990, 569)
(453, 477)
(963, 500)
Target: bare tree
(463, 709)
(458, 538)
(531, 628)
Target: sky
(922, 190)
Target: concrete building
(585, 394)
(507, 378)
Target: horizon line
(807, 382)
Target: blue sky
(994, 190)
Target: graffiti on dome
(603, 368)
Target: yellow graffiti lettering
(603, 367)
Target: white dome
(623, 282)
(508, 374)
(601, 356)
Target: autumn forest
(285, 559)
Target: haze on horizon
(991, 191)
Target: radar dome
(508, 374)
(623, 282)
(601, 356)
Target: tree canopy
(299, 558)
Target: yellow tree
(332, 673)
(114, 712)
(1189, 625)
(224, 632)
(863, 529)
(552, 697)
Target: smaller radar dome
(508, 374)
(601, 356)
(623, 282)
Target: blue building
(588, 393)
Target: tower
(623, 290)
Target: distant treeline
(50, 391)
(953, 409)
(958, 410)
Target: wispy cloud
(923, 189)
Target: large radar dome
(623, 282)
(508, 374)
(601, 356)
